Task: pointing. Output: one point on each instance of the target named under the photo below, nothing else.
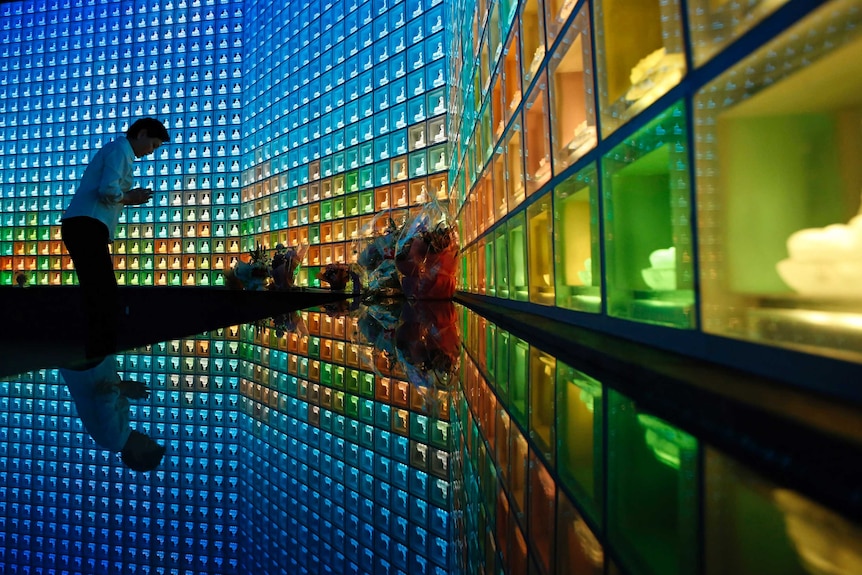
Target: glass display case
(537, 142)
(532, 38)
(785, 130)
(542, 405)
(714, 24)
(635, 69)
(647, 228)
(517, 257)
(512, 75)
(540, 255)
(578, 549)
(579, 438)
(577, 256)
(501, 261)
(804, 536)
(573, 109)
(515, 167)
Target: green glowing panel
(647, 224)
(652, 491)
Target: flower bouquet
(377, 258)
(285, 265)
(427, 254)
(253, 275)
(336, 275)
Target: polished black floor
(417, 438)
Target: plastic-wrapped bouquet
(428, 347)
(427, 254)
(338, 274)
(285, 265)
(377, 258)
(252, 275)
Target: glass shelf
(786, 129)
(576, 242)
(573, 117)
(648, 246)
(540, 255)
(634, 70)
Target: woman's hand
(137, 196)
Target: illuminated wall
(684, 176)
(291, 124)
(344, 119)
(72, 76)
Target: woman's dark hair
(154, 128)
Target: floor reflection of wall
(616, 489)
(341, 467)
(67, 505)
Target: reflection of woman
(102, 401)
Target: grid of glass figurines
(73, 75)
(346, 120)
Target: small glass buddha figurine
(439, 81)
(423, 195)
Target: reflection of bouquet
(428, 346)
(290, 322)
(341, 308)
(377, 326)
(336, 275)
(253, 275)
(428, 342)
(427, 259)
(377, 260)
(285, 264)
